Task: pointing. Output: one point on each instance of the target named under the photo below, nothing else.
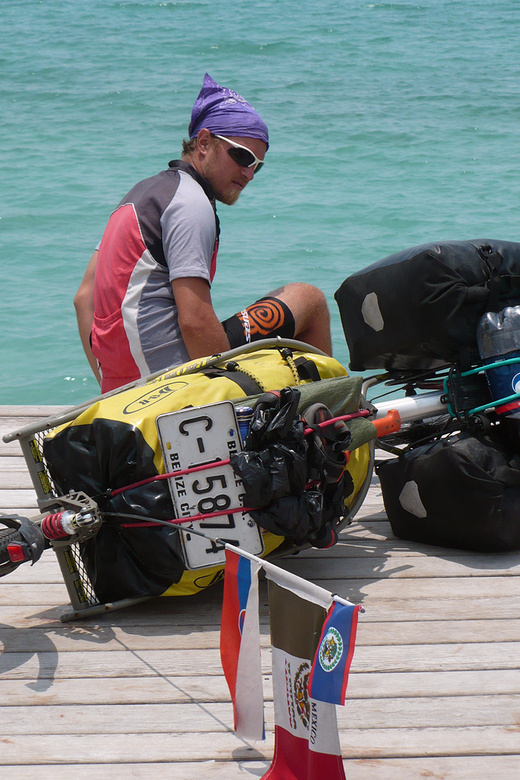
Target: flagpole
(301, 586)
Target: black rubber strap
(245, 382)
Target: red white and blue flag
(240, 644)
(307, 743)
(329, 674)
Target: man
(145, 303)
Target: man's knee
(296, 310)
(310, 311)
(304, 300)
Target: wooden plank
(168, 689)
(328, 567)
(16, 478)
(213, 717)
(19, 499)
(15, 418)
(454, 590)
(13, 464)
(353, 568)
(26, 413)
(356, 743)
(461, 593)
(368, 534)
(448, 768)
(434, 688)
(160, 611)
(395, 658)
(23, 511)
(190, 633)
(365, 538)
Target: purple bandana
(224, 112)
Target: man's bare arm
(201, 329)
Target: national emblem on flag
(329, 674)
(240, 644)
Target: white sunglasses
(242, 155)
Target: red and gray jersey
(165, 228)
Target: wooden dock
(434, 689)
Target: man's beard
(229, 197)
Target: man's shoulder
(162, 187)
(159, 187)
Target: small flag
(240, 644)
(329, 674)
(306, 731)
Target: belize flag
(240, 644)
(329, 674)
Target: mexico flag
(306, 731)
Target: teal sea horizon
(391, 124)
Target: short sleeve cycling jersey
(165, 228)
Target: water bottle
(244, 415)
(498, 338)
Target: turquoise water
(391, 124)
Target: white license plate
(199, 436)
